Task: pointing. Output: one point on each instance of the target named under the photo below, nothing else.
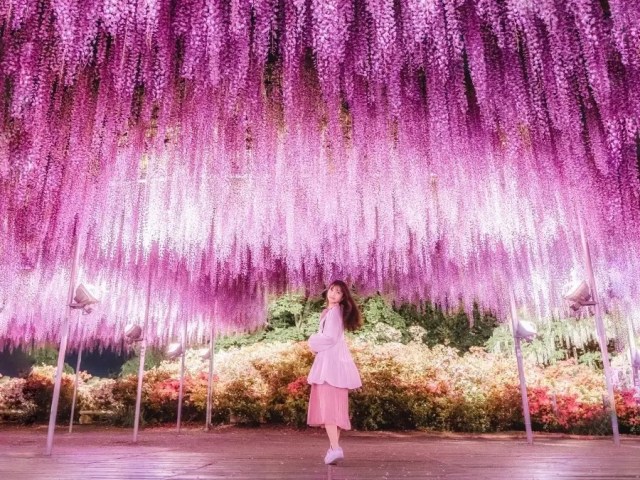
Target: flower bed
(404, 387)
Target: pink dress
(332, 374)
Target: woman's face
(334, 295)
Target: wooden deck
(267, 453)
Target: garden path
(93, 452)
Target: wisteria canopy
(226, 149)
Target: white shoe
(333, 456)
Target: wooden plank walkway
(268, 453)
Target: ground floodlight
(174, 350)
(635, 361)
(133, 332)
(204, 353)
(525, 330)
(86, 295)
(578, 295)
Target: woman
(333, 372)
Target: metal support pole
(602, 335)
(212, 347)
(143, 349)
(523, 382)
(75, 387)
(632, 351)
(63, 345)
(181, 389)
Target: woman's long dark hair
(351, 316)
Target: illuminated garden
(182, 180)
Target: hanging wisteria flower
(425, 148)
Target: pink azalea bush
(31, 396)
(12, 397)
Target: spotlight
(204, 353)
(174, 350)
(525, 330)
(86, 295)
(133, 332)
(578, 295)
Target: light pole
(75, 386)
(634, 355)
(522, 330)
(175, 350)
(602, 335)
(209, 354)
(143, 349)
(63, 347)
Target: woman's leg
(334, 435)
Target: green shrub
(152, 358)
(467, 414)
(293, 317)
(240, 401)
(383, 402)
(429, 410)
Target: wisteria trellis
(428, 148)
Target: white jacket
(333, 363)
